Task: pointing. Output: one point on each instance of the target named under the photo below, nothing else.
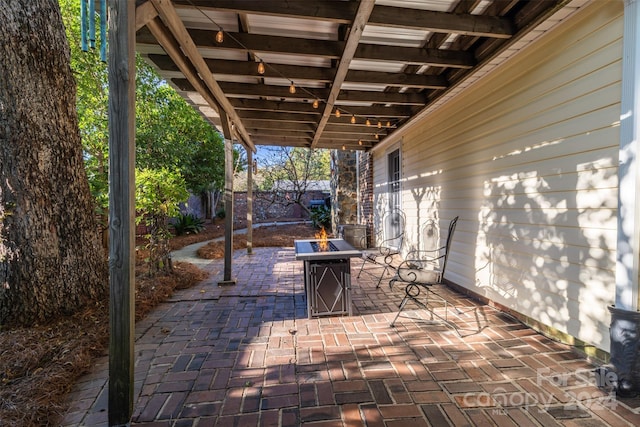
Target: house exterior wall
(381, 199)
(527, 157)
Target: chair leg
(402, 304)
(384, 271)
(362, 267)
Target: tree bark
(51, 261)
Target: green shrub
(221, 214)
(321, 217)
(158, 194)
(188, 224)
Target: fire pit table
(327, 275)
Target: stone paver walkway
(247, 355)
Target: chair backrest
(429, 236)
(393, 225)
(452, 229)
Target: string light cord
(292, 88)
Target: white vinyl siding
(382, 184)
(527, 157)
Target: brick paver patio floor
(247, 355)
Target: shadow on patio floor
(247, 355)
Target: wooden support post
(249, 202)
(121, 65)
(228, 201)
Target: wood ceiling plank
(417, 56)
(279, 132)
(274, 106)
(371, 130)
(316, 74)
(325, 49)
(382, 97)
(232, 89)
(260, 43)
(337, 143)
(331, 11)
(289, 126)
(397, 79)
(384, 16)
(376, 111)
(245, 89)
(442, 22)
(278, 116)
(283, 141)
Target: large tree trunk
(51, 261)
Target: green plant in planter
(188, 224)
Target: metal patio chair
(423, 268)
(389, 243)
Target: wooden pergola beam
(299, 73)
(365, 7)
(383, 16)
(323, 48)
(285, 109)
(168, 14)
(145, 13)
(246, 89)
(170, 45)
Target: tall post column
(250, 171)
(122, 95)
(625, 318)
(228, 201)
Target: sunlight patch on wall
(530, 148)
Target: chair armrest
(419, 271)
(421, 259)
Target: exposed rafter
(381, 63)
(168, 14)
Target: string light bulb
(353, 119)
(359, 142)
(388, 124)
(315, 103)
(219, 36)
(337, 113)
(379, 124)
(292, 88)
(344, 148)
(368, 122)
(377, 136)
(261, 69)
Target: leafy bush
(158, 193)
(321, 217)
(221, 214)
(188, 224)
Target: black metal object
(327, 276)
(317, 247)
(328, 287)
(625, 350)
